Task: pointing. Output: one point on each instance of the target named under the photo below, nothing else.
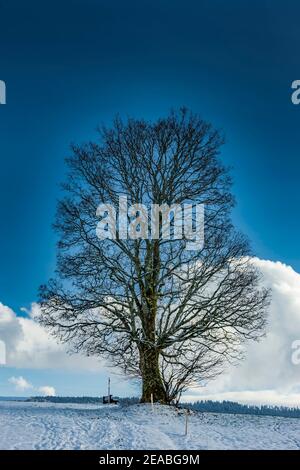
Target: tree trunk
(152, 381)
(149, 354)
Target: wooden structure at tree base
(108, 399)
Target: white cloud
(20, 383)
(28, 344)
(47, 391)
(267, 375)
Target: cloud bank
(267, 375)
(29, 346)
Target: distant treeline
(207, 406)
(83, 400)
(232, 407)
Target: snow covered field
(63, 426)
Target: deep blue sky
(69, 66)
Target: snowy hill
(74, 426)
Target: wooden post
(152, 402)
(186, 422)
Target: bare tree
(161, 312)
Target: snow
(74, 426)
